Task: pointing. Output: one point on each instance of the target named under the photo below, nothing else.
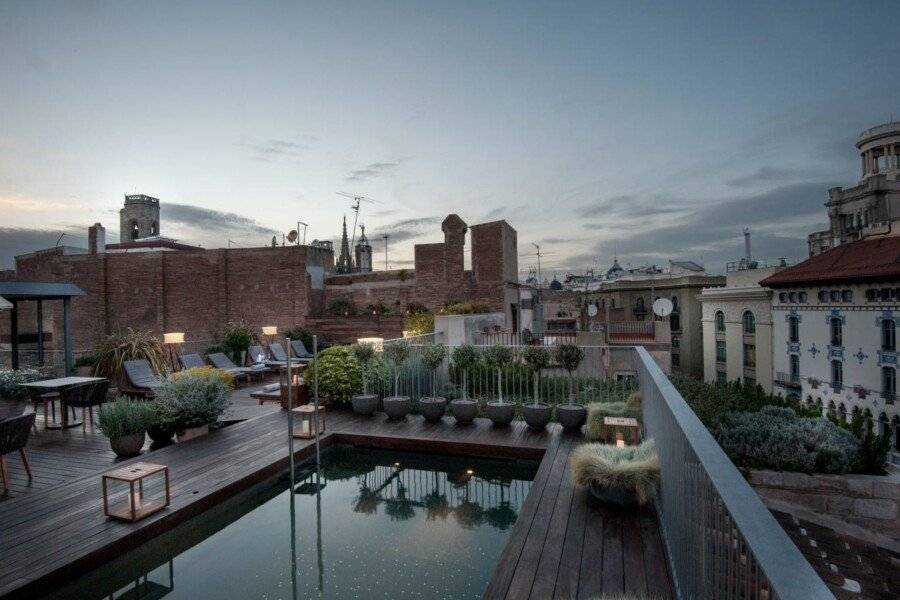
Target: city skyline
(641, 131)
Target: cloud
(495, 213)
(199, 219)
(22, 240)
(632, 207)
(371, 171)
(275, 148)
(768, 175)
(406, 229)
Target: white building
(835, 318)
(737, 328)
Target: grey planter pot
(538, 416)
(397, 407)
(127, 445)
(365, 404)
(571, 417)
(432, 408)
(501, 413)
(616, 496)
(464, 411)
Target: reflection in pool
(367, 524)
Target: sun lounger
(298, 348)
(191, 361)
(141, 379)
(280, 355)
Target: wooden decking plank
(569, 569)
(613, 565)
(635, 575)
(659, 583)
(590, 576)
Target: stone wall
(868, 501)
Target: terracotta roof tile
(866, 260)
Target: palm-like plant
(433, 356)
(569, 356)
(364, 353)
(397, 353)
(465, 357)
(537, 358)
(126, 345)
(497, 357)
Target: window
(835, 295)
(676, 341)
(782, 297)
(847, 296)
(135, 232)
(750, 356)
(794, 329)
(720, 351)
(721, 377)
(888, 383)
(639, 310)
(888, 335)
(154, 228)
(823, 296)
(749, 381)
(675, 319)
(792, 297)
(801, 297)
(837, 374)
(886, 294)
(871, 295)
(795, 367)
(720, 321)
(749, 322)
(837, 334)
(676, 359)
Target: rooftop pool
(366, 524)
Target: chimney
(96, 239)
(747, 243)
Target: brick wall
(349, 329)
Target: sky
(644, 130)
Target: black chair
(14, 434)
(86, 397)
(44, 399)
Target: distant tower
(345, 262)
(139, 218)
(363, 253)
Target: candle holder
(299, 390)
(305, 421)
(616, 429)
(136, 491)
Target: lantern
(305, 418)
(136, 491)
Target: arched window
(837, 375)
(794, 329)
(837, 334)
(639, 308)
(888, 383)
(749, 322)
(888, 335)
(135, 231)
(720, 321)
(675, 319)
(154, 228)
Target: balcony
(788, 380)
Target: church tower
(345, 262)
(139, 218)
(363, 253)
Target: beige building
(737, 328)
(682, 282)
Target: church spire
(345, 262)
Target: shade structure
(4, 303)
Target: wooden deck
(562, 546)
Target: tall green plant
(125, 417)
(397, 353)
(537, 358)
(364, 354)
(569, 356)
(237, 337)
(465, 357)
(126, 345)
(433, 356)
(497, 357)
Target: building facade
(737, 328)
(872, 207)
(834, 342)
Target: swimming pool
(367, 524)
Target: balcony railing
(636, 331)
(787, 379)
(722, 541)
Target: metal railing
(787, 379)
(722, 542)
(632, 330)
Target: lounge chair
(280, 355)
(140, 378)
(191, 361)
(14, 434)
(255, 352)
(267, 393)
(221, 361)
(298, 348)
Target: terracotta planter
(571, 417)
(537, 416)
(500, 412)
(160, 434)
(190, 433)
(365, 404)
(464, 411)
(127, 445)
(397, 407)
(432, 408)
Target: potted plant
(624, 476)
(129, 345)
(569, 356)
(84, 365)
(159, 431)
(397, 407)
(125, 422)
(365, 403)
(237, 337)
(499, 411)
(537, 414)
(598, 411)
(465, 410)
(190, 403)
(432, 408)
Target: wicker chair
(14, 434)
(86, 397)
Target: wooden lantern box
(135, 491)
(305, 421)
(615, 430)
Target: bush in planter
(125, 345)
(497, 357)
(397, 353)
(569, 356)
(618, 471)
(125, 422)
(303, 334)
(465, 357)
(86, 361)
(598, 410)
(364, 355)
(11, 382)
(236, 338)
(226, 377)
(191, 400)
(432, 408)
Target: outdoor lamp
(270, 330)
(173, 341)
(133, 492)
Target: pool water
(368, 524)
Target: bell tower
(139, 218)
(363, 253)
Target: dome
(555, 284)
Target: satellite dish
(292, 236)
(662, 307)
(592, 310)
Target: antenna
(385, 237)
(59, 239)
(357, 199)
(538, 254)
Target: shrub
(536, 357)
(569, 356)
(337, 373)
(341, 307)
(226, 377)
(125, 345)
(191, 400)
(465, 308)
(465, 357)
(379, 308)
(11, 382)
(364, 353)
(88, 359)
(776, 438)
(125, 417)
(419, 323)
(301, 333)
(630, 468)
(433, 356)
(397, 353)
(598, 410)
(237, 337)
